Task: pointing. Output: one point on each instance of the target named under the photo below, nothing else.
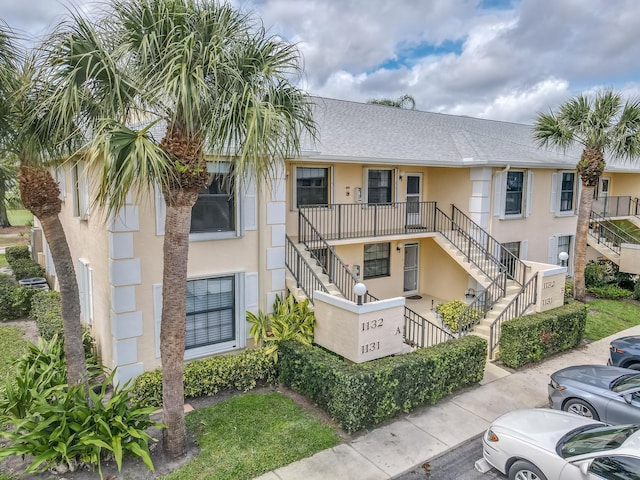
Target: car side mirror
(584, 469)
(628, 397)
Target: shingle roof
(351, 131)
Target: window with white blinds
(210, 311)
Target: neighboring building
(402, 200)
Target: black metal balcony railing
(609, 234)
(619, 206)
(517, 306)
(358, 220)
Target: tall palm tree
(600, 124)
(217, 82)
(25, 139)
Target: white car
(545, 444)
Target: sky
(497, 59)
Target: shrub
(47, 314)
(451, 311)
(595, 274)
(290, 320)
(15, 300)
(61, 426)
(17, 252)
(611, 292)
(363, 395)
(26, 268)
(208, 376)
(636, 291)
(568, 291)
(533, 337)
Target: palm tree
(406, 101)
(600, 124)
(217, 82)
(26, 139)
(8, 174)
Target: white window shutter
(528, 193)
(576, 203)
(157, 314)
(161, 210)
(524, 249)
(499, 194)
(554, 192)
(251, 292)
(82, 285)
(61, 179)
(552, 257)
(249, 205)
(83, 191)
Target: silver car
(609, 394)
(543, 444)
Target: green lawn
(629, 227)
(3, 260)
(251, 434)
(607, 317)
(20, 217)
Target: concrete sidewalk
(405, 443)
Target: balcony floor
(424, 306)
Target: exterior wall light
(359, 289)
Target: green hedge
(363, 395)
(208, 376)
(534, 337)
(17, 252)
(15, 300)
(46, 312)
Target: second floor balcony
(341, 221)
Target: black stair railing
(419, 332)
(519, 304)
(304, 274)
(482, 304)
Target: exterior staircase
(501, 274)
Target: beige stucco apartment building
(379, 189)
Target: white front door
(411, 263)
(414, 184)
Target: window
(567, 189)
(508, 256)
(215, 209)
(616, 468)
(210, 312)
(312, 186)
(379, 186)
(515, 189)
(376, 260)
(564, 245)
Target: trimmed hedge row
(15, 300)
(533, 337)
(207, 376)
(363, 395)
(46, 312)
(22, 265)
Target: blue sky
(499, 59)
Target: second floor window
(312, 186)
(567, 189)
(379, 186)
(215, 211)
(515, 189)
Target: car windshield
(592, 439)
(626, 382)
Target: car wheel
(580, 407)
(522, 470)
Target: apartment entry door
(414, 183)
(411, 267)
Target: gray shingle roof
(350, 131)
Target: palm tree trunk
(69, 299)
(41, 196)
(172, 331)
(582, 230)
